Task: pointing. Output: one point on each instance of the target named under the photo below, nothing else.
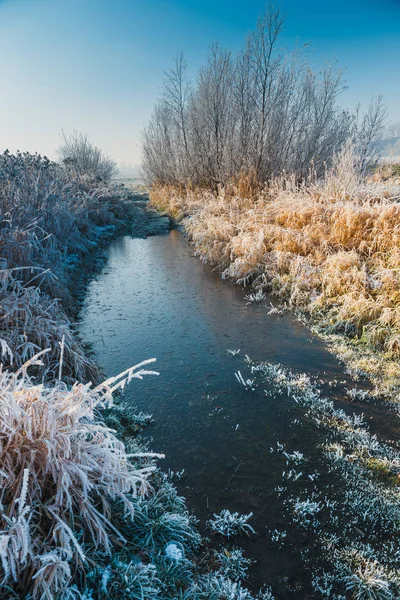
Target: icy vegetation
(50, 221)
(230, 524)
(64, 478)
(357, 528)
(327, 249)
(84, 511)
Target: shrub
(230, 524)
(82, 158)
(64, 474)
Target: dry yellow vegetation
(330, 250)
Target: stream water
(153, 298)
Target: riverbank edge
(121, 566)
(360, 361)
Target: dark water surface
(154, 299)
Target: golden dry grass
(325, 249)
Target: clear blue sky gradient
(97, 65)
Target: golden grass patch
(330, 254)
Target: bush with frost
(63, 476)
(83, 158)
(232, 563)
(162, 518)
(125, 580)
(369, 583)
(229, 524)
(214, 586)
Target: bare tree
(368, 132)
(266, 67)
(244, 110)
(211, 116)
(264, 111)
(176, 95)
(159, 161)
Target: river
(153, 298)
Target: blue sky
(97, 65)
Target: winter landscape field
(200, 300)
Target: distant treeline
(262, 111)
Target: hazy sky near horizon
(97, 65)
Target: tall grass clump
(82, 514)
(64, 475)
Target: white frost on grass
(306, 512)
(258, 296)
(232, 563)
(58, 458)
(359, 532)
(230, 524)
(369, 582)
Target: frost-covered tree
(81, 156)
(261, 112)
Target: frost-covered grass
(30, 321)
(64, 475)
(358, 527)
(229, 524)
(49, 221)
(232, 563)
(328, 249)
(49, 218)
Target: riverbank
(66, 479)
(327, 251)
(85, 513)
